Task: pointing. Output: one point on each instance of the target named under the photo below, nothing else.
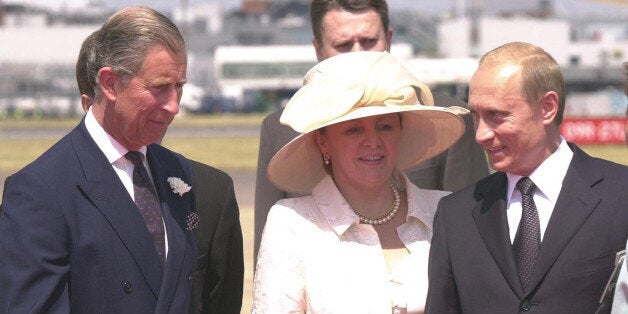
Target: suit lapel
(104, 189)
(574, 205)
(175, 210)
(492, 223)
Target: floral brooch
(178, 186)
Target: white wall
(42, 44)
(551, 35)
(454, 38)
(594, 53)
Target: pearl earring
(326, 160)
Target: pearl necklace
(386, 217)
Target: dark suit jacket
(472, 268)
(459, 166)
(219, 273)
(73, 240)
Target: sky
(431, 7)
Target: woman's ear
(107, 80)
(321, 142)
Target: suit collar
(104, 189)
(340, 216)
(333, 206)
(576, 202)
(175, 210)
(492, 224)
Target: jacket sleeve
(442, 297)
(226, 260)
(279, 284)
(34, 265)
(266, 194)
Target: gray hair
(127, 36)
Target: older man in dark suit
(541, 234)
(218, 275)
(103, 220)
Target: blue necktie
(147, 203)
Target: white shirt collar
(548, 177)
(107, 144)
(340, 216)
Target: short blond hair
(540, 73)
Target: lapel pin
(192, 221)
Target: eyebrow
(165, 80)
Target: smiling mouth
(495, 150)
(372, 158)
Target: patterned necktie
(147, 203)
(527, 241)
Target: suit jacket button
(128, 288)
(525, 306)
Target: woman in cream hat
(359, 241)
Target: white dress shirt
(316, 257)
(114, 152)
(548, 178)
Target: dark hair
(318, 9)
(85, 60)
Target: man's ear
(107, 80)
(318, 48)
(389, 37)
(86, 101)
(549, 107)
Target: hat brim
(426, 132)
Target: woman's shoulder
(293, 208)
(296, 203)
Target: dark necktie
(527, 241)
(147, 203)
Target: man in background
(341, 26)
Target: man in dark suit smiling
(541, 234)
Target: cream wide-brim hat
(356, 85)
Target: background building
(251, 55)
